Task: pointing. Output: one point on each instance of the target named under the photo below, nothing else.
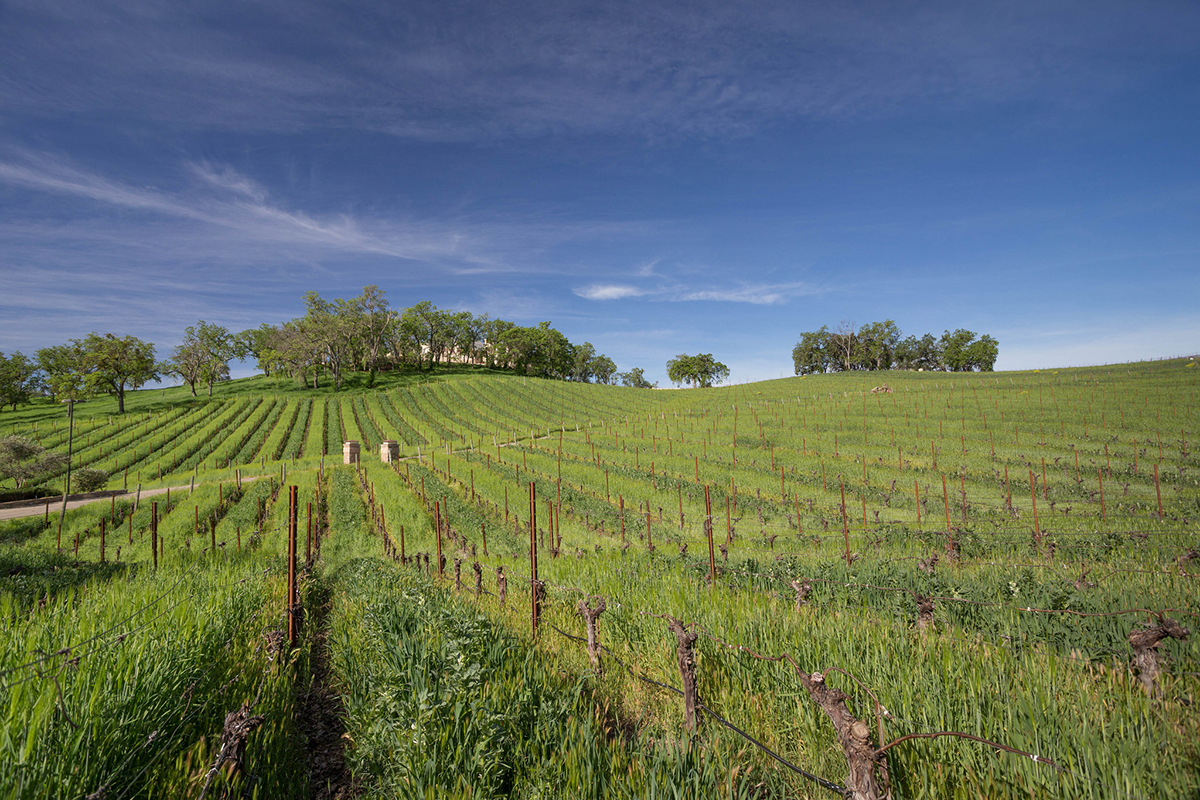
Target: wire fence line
(105, 790)
(70, 652)
(162, 730)
(827, 784)
(881, 710)
(102, 634)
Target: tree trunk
(121, 399)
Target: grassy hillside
(977, 555)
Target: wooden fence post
(924, 612)
(803, 590)
(685, 641)
(590, 614)
(854, 736)
(1145, 643)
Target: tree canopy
(204, 355)
(114, 364)
(635, 378)
(701, 370)
(877, 345)
(365, 333)
(22, 460)
(20, 379)
(98, 363)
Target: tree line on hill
(333, 337)
(364, 333)
(877, 345)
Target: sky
(653, 178)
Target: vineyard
(945, 585)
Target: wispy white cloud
(217, 212)
(762, 295)
(225, 177)
(602, 291)
(756, 294)
(461, 70)
(238, 205)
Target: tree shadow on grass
(35, 576)
(21, 529)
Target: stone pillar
(389, 451)
(350, 452)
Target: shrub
(89, 479)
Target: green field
(961, 554)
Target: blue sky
(652, 178)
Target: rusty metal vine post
(845, 522)
(728, 524)
(946, 501)
(1037, 532)
(308, 540)
(154, 531)
(621, 500)
(535, 605)
(680, 488)
(291, 577)
(708, 529)
(437, 513)
(1158, 491)
(649, 536)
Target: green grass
(465, 672)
